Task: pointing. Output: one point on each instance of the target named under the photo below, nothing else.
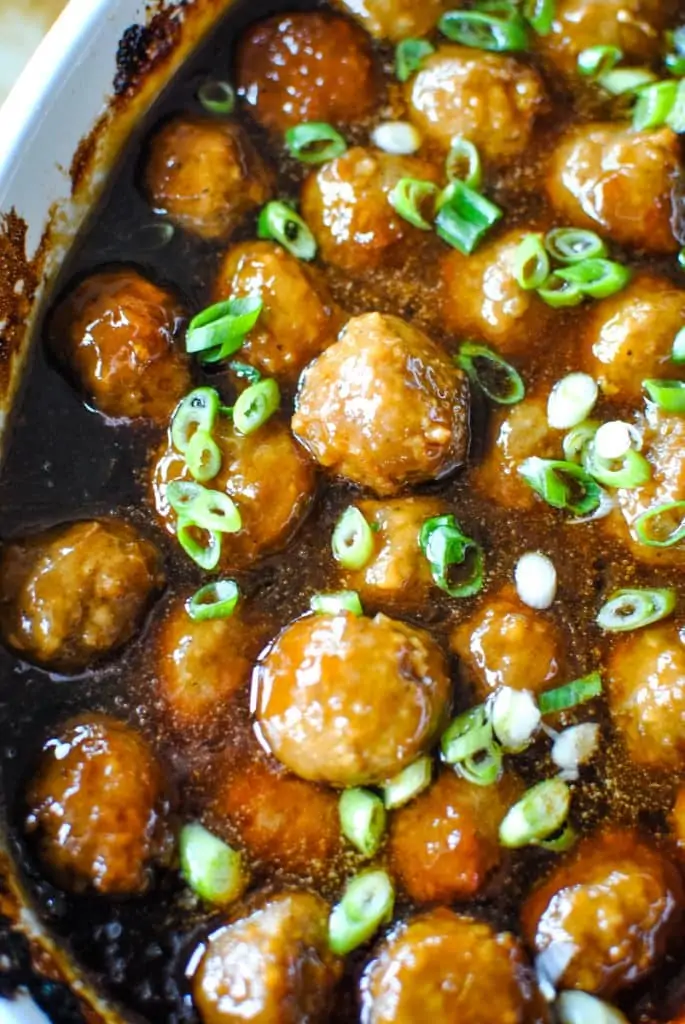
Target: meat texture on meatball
(384, 407)
(114, 334)
(605, 916)
(619, 182)
(305, 66)
(96, 807)
(350, 700)
(298, 319)
(395, 19)
(74, 593)
(443, 966)
(490, 99)
(206, 176)
(272, 967)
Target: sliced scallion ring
(562, 485)
(217, 97)
(410, 55)
(678, 350)
(362, 819)
(541, 812)
(675, 64)
(654, 104)
(255, 405)
(560, 294)
(352, 541)
(531, 264)
(205, 508)
(515, 718)
(411, 781)
(447, 548)
(280, 222)
(203, 456)
(581, 1008)
(219, 331)
(632, 470)
(576, 442)
(217, 600)
(412, 198)
(502, 31)
(636, 608)
(469, 745)
(669, 395)
(314, 142)
(676, 115)
(598, 278)
(596, 61)
(464, 217)
(495, 377)
(560, 843)
(367, 903)
(621, 81)
(197, 411)
(463, 163)
(662, 526)
(573, 245)
(571, 400)
(337, 604)
(211, 868)
(540, 15)
(206, 551)
(571, 695)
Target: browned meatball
(480, 297)
(619, 182)
(384, 406)
(74, 593)
(395, 19)
(273, 967)
(298, 319)
(308, 66)
(206, 176)
(346, 205)
(96, 807)
(506, 643)
(605, 916)
(444, 844)
(267, 475)
(321, 716)
(114, 333)
(488, 98)
(444, 967)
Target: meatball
(267, 475)
(307, 66)
(321, 716)
(490, 99)
(629, 337)
(114, 333)
(384, 406)
(299, 319)
(345, 203)
(619, 182)
(74, 593)
(206, 176)
(480, 297)
(444, 844)
(96, 807)
(273, 967)
(442, 966)
(678, 817)
(604, 917)
(506, 643)
(645, 682)
(395, 19)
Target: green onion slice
(636, 608)
(662, 526)
(678, 350)
(208, 509)
(410, 197)
(501, 32)
(621, 81)
(280, 222)
(255, 405)
(217, 600)
(598, 278)
(675, 64)
(577, 441)
(337, 604)
(560, 294)
(669, 395)
(197, 411)
(219, 331)
(654, 104)
(410, 55)
(217, 97)
(203, 456)
(562, 485)
(463, 163)
(469, 745)
(597, 61)
(541, 812)
(560, 843)
(495, 377)
(531, 264)
(362, 820)
(676, 116)
(681, 259)
(211, 868)
(352, 541)
(464, 217)
(367, 903)
(445, 547)
(314, 142)
(540, 15)
(573, 245)
(632, 470)
(571, 695)
(205, 552)
(411, 781)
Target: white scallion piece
(581, 1008)
(536, 580)
(515, 718)
(397, 137)
(613, 440)
(575, 746)
(571, 401)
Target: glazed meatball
(506, 643)
(604, 917)
(324, 717)
(489, 99)
(629, 337)
(345, 203)
(114, 333)
(273, 967)
(678, 817)
(384, 407)
(206, 176)
(307, 66)
(96, 807)
(444, 845)
(395, 19)
(267, 475)
(480, 297)
(442, 966)
(619, 182)
(298, 319)
(73, 594)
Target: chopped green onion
(678, 350)
(367, 903)
(362, 819)
(576, 442)
(217, 97)
(336, 604)
(540, 15)
(621, 81)
(654, 104)
(445, 546)
(598, 278)
(531, 264)
(560, 843)
(571, 695)
(669, 395)
(411, 781)
(211, 868)
(571, 400)
(562, 485)
(197, 411)
(314, 142)
(469, 745)
(210, 510)
(464, 217)
(215, 600)
(676, 116)
(219, 331)
(657, 529)
(255, 405)
(636, 608)
(410, 55)
(573, 245)
(243, 370)
(598, 60)
(493, 375)
(410, 196)
(681, 259)
(540, 813)
(515, 718)
(560, 294)
(279, 221)
(500, 32)
(206, 554)
(352, 541)
(632, 470)
(581, 1008)
(463, 163)
(675, 64)
(203, 456)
